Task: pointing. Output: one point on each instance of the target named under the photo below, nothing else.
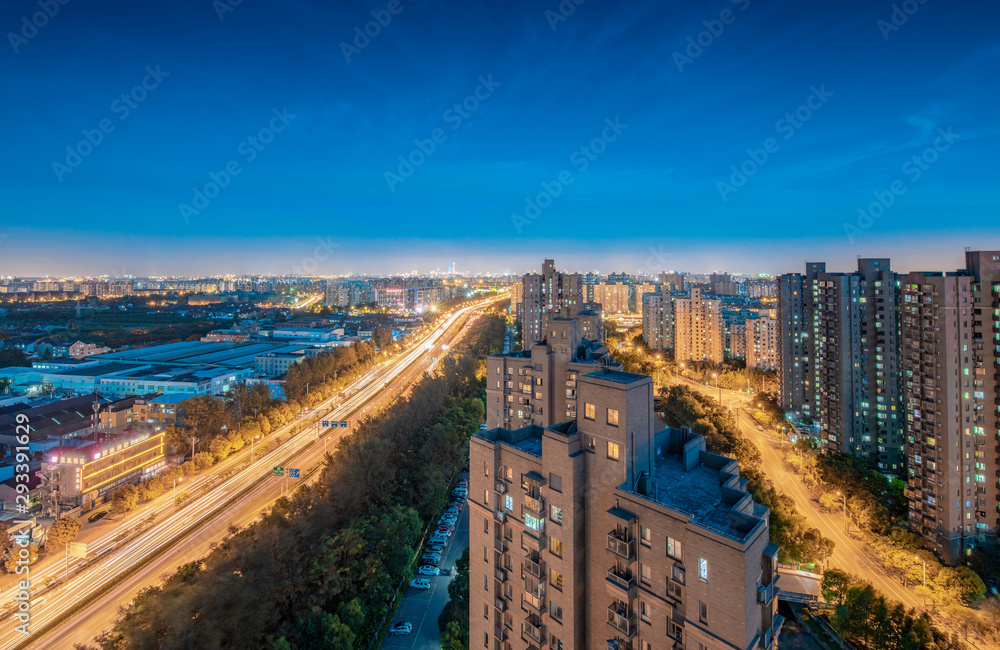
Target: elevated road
(72, 613)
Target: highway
(187, 532)
(848, 554)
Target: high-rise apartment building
(613, 297)
(537, 384)
(547, 293)
(601, 532)
(658, 319)
(839, 361)
(951, 361)
(698, 329)
(672, 281)
(761, 342)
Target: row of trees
(868, 620)
(877, 505)
(798, 541)
(319, 570)
(453, 623)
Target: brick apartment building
(600, 532)
(951, 359)
(699, 334)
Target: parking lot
(422, 608)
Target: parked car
(439, 538)
(401, 628)
(453, 510)
(420, 583)
(434, 548)
(447, 530)
(447, 521)
(462, 483)
(431, 557)
(428, 570)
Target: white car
(434, 548)
(431, 557)
(401, 628)
(420, 583)
(448, 521)
(461, 492)
(428, 570)
(438, 539)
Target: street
(422, 608)
(848, 554)
(189, 531)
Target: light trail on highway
(173, 524)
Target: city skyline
(635, 105)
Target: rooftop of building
(616, 376)
(700, 484)
(527, 439)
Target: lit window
(703, 569)
(613, 417)
(613, 450)
(589, 411)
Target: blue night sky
(657, 192)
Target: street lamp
(175, 488)
(845, 512)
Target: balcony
(501, 487)
(501, 574)
(500, 544)
(536, 506)
(621, 544)
(621, 619)
(535, 601)
(534, 566)
(500, 634)
(500, 604)
(534, 630)
(624, 580)
(765, 594)
(500, 516)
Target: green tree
(835, 585)
(12, 357)
(203, 460)
(63, 531)
(125, 499)
(12, 563)
(382, 337)
(455, 637)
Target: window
(555, 611)
(591, 443)
(486, 468)
(613, 450)
(675, 630)
(645, 535)
(486, 498)
(532, 523)
(646, 573)
(486, 639)
(486, 611)
(555, 482)
(556, 644)
(644, 611)
(510, 474)
(677, 574)
(613, 417)
(589, 411)
(703, 569)
(673, 548)
(555, 578)
(486, 553)
(555, 546)
(508, 503)
(555, 514)
(674, 590)
(486, 525)
(486, 583)
(702, 612)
